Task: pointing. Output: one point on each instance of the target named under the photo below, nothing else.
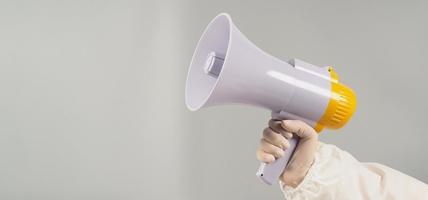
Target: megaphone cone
(227, 68)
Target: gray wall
(92, 106)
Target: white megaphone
(227, 68)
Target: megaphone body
(227, 68)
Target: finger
(264, 157)
(287, 135)
(276, 126)
(271, 149)
(298, 127)
(275, 138)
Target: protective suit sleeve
(335, 174)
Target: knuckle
(264, 157)
(285, 122)
(280, 154)
(268, 158)
(286, 144)
(265, 146)
(266, 132)
(283, 142)
(279, 139)
(302, 124)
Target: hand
(275, 141)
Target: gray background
(92, 94)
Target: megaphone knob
(214, 64)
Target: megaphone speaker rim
(196, 100)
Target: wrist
(294, 175)
(295, 172)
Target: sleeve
(335, 174)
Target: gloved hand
(275, 139)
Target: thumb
(299, 128)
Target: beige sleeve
(335, 174)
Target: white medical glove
(275, 141)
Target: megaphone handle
(269, 173)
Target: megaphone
(227, 68)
